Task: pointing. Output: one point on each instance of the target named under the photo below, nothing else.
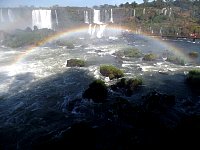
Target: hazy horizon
(48, 3)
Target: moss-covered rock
(68, 44)
(193, 77)
(129, 52)
(149, 57)
(111, 71)
(75, 63)
(176, 60)
(97, 91)
(193, 54)
(127, 86)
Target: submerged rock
(75, 63)
(155, 101)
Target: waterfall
(165, 12)
(170, 12)
(56, 17)
(134, 12)
(86, 18)
(144, 10)
(41, 19)
(97, 28)
(161, 31)
(101, 30)
(96, 18)
(111, 16)
(10, 15)
(1, 16)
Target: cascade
(1, 16)
(107, 17)
(111, 16)
(10, 15)
(42, 19)
(86, 18)
(97, 28)
(144, 10)
(170, 12)
(134, 12)
(96, 18)
(56, 17)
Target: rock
(75, 63)
(97, 91)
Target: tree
(145, 2)
(159, 3)
(134, 4)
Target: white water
(170, 12)
(1, 16)
(134, 12)
(96, 30)
(42, 19)
(111, 16)
(86, 18)
(144, 11)
(96, 18)
(56, 17)
(10, 15)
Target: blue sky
(13, 3)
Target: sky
(89, 3)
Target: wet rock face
(97, 91)
(157, 101)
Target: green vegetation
(193, 77)
(176, 60)
(149, 57)
(69, 44)
(127, 86)
(111, 71)
(97, 91)
(193, 54)
(26, 37)
(75, 63)
(132, 52)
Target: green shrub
(97, 91)
(149, 57)
(132, 52)
(193, 77)
(27, 37)
(111, 71)
(193, 54)
(69, 44)
(176, 60)
(129, 52)
(75, 63)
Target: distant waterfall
(144, 11)
(10, 15)
(170, 12)
(56, 17)
(1, 16)
(111, 16)
(86, 18)
(97, 28)
(134, 12)
(96, 18)
(42, 19)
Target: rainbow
(84, 29)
